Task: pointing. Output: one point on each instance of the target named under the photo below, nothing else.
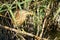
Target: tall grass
(37, 6)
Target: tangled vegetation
(29, 20)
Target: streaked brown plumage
(20, 16)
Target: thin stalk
(13, 17)
(19, 31)
(56, 13)
(9, 9)
(18, 5)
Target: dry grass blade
(19, 31)
(57, 13)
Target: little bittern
(20, 17)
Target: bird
(20, 17)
